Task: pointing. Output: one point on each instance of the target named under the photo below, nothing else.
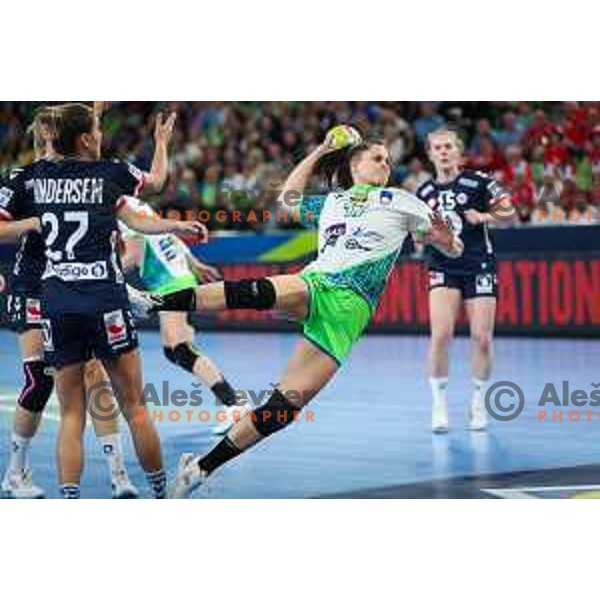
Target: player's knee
(38, 386)
(275, 415)
(183, 355)
(258, 294)
(482, 341)
(440, 340)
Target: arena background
(227, 155)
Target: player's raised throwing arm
(298, 179)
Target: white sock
(113, 452)
(18, 453)
(479, 387)
(439, 386)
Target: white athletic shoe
(233, 415)
(187, 479)
(19, 486)
(439, 417)
(123, 489)
(141, 303)
(477, 417)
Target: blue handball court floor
(368, 435)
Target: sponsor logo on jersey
(332, 234)
(96, 271)
(484, 283)
(428, 189)
(33, 311)
(386, 197)
(436, 278)
(115, 327)
(470, 183)
(462, 198)
(47, 335)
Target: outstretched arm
(163, 132)
(12, 231)
(151, 224)
(442, 237)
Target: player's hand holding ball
(341, 136)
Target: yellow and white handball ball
(342, 136)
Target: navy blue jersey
(77, 203)
(30, 259)
(470, 190)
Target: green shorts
(176, 284)
(337, 316)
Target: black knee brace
(184, 355)
(182, 301)
(38, 386)
(275, 415)
(258, 294)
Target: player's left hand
(207, 273)
(441, 231)
(163, 130)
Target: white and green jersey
(361, 232)
(164, 266)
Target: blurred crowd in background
(226, 154)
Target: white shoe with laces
(439, 417)
(142, 303)
(477, 417)
(233, 414)
(19, 485)
(188, 477)
(123, 489)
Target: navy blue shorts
(24, 311)
(72, 339)
(474, 285)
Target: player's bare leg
(71, 396)
(177, 337)
(307, 373)
(444, 308)
(482, 314)
(125, 375)
(38, 384)
(290, 295)
(104, 411)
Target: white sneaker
(233, 415)
(439, 418)
(19, 486)
(477, 417)
(187, 479)
(142, 303)
(123, 489)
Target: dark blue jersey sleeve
(128, 179)
(13, 195)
